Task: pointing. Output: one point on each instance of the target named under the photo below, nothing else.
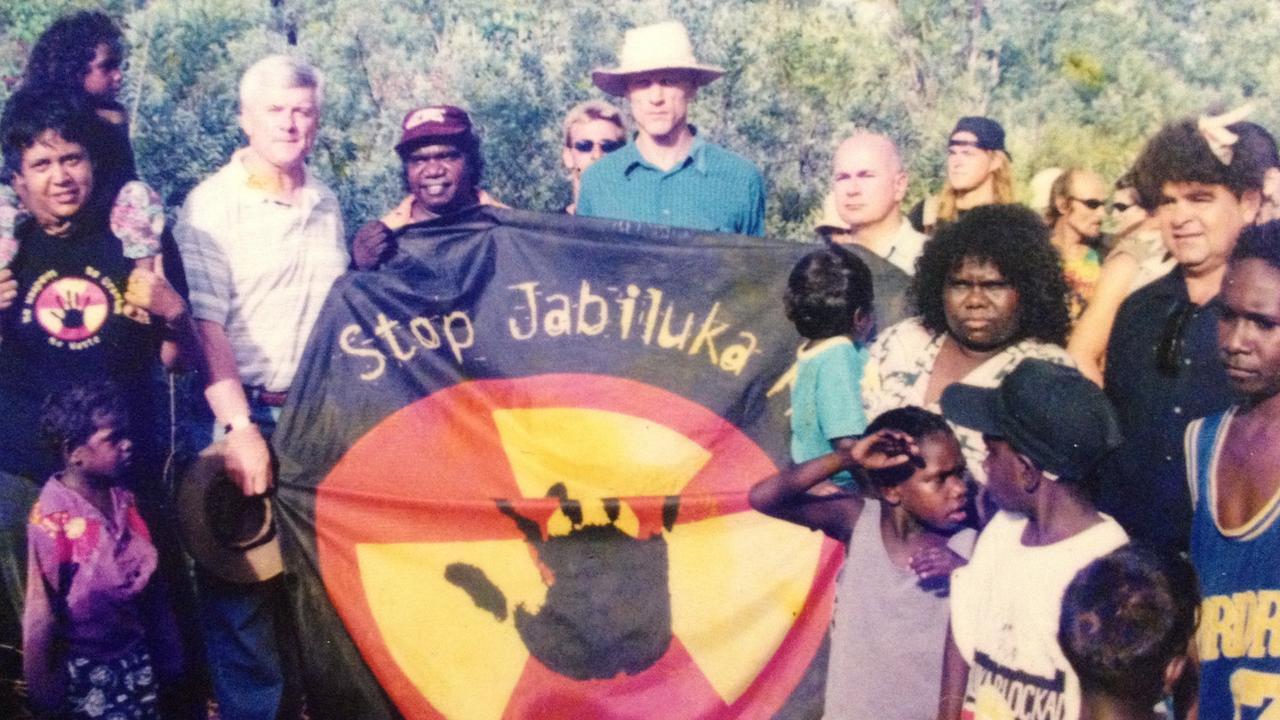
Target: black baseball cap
(1046, 411)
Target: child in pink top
(98, 635)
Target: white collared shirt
(905, 246)
(260, 267)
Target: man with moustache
(442, 166)
(1162, 365)
(1077, 203)
(670, 175)
(262, 243)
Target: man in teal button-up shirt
(669, 176)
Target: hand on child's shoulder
(935, 561)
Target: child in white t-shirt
(1045, 428)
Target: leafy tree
(1075, 82)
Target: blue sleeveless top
(1239, 634)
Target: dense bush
(1073, 81)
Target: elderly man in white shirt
(262, 242)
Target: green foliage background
(1073, 81)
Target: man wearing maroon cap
(442, 168)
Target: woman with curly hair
(990, 293)
(82, 56)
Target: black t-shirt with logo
(67, 325)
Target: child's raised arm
(786, 495)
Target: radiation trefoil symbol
(569, 546)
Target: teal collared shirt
(712, 189)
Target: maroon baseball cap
(434, 121)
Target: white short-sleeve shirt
(260, 267)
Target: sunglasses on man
(606, 146)
(1091, 203)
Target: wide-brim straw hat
(230, 536)
(661, 46)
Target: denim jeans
(249, 634)
(251, 648)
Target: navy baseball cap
(1046, 411)
(989, 133)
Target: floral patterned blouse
(89, 589)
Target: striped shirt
(260, 267)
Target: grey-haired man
(262, 243)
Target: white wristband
(239, 422)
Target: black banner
(513, 477)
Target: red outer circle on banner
(448, 445)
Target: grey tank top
(887, 631)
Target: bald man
(869, 183)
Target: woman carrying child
(81, 57)
(98, 634)
(890, 618)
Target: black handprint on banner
(608, 603)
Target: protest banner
(513, 476)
